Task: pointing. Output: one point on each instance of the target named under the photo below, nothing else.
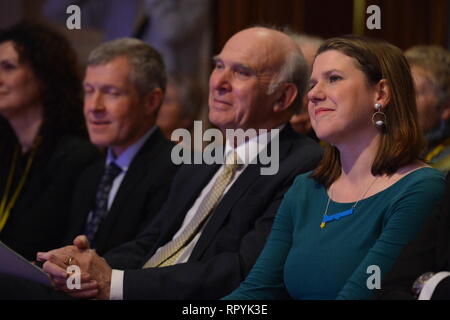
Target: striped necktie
(169, 253)
(101, 200)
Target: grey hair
(436, 60)
(295, 70)
(147, 66)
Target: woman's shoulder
(419, 171)
(423, 179)
(305, 184)
(304, 178)
(73, 149)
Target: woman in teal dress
(340, 228)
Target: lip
(99, 123)
(319, 111)
(217, 101)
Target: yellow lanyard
(436, 151)
(5, 205)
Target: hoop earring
(381, 116)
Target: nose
(316, 94)
(220, 80)
(94, 102)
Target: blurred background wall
(403, 22)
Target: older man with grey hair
(217, 217)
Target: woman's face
(19, 87)
(341, 102)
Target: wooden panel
(409, 22)
(403, 22)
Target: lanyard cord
(5, 205)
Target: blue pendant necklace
(329, 218)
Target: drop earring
(380, 115)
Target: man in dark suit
(423, 269)
(124, 88)
(204, 242)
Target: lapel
(245, 180)
(139, 168)
(198, 178)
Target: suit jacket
(232, 238)
(39, 219)
(140, 196)
(429, 252)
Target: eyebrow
(327, 73)
(236, 65)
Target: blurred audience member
(42, 138)
(423, 269)
(430, 68)
(178, 29)
(300, 122)
(181, 107)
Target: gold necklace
(326, 218)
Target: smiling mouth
(322, 110)
(222, 102)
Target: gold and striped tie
(168, 254)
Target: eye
(218, 65)
(243, 73)
(87, 89)
(334, 78)
(7, 66)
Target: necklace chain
(353, 207)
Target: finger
(54, 270)
(43, 256)
(81, 242)
(86, 286)
(85, 278)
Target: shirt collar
(253, 145)
(125, 158)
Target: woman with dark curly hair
(43, 146)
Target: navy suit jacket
(232, 238)
(140, 196)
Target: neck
(357, 158)
(119, 149)
(26, 126)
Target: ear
(288, 94)
(152, 101)
(383, 92)
(445, 115)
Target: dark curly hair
(54, 62)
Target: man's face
(426, 99)
(114, 111)
(239, 83)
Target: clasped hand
(95, 271)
